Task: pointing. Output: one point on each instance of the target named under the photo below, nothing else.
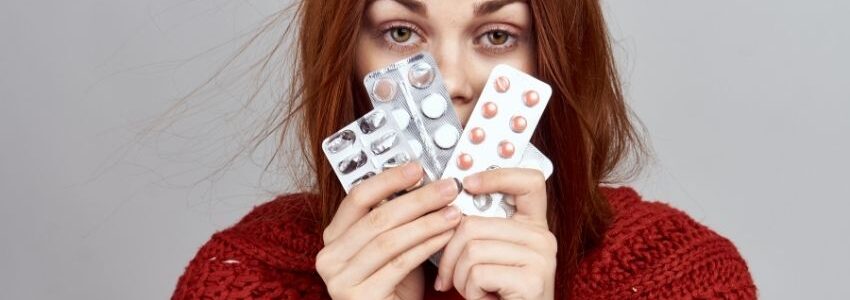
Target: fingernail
(411, 170)
(458, 184)
(448, 188)
(451, 213)
(438, 284)
(472, 182)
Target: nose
(456, 75)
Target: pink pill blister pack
(497, 136)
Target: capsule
(352, 162)
(340, 141)
(396, 160)
(372, 122)
(384, 143)
(510, 209)
(482, 202)
(362, 178)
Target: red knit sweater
(650, 251)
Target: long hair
(586, 130)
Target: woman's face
(466, 37)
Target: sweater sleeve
(653, 251)
(264, 256)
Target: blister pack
(497, 135)
(532, 158)
(367, 147)
(414, 92)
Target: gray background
(745, 102)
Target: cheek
(370, 56)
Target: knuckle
(357, 197)
(474, 249)
(435, 221)
(323, 262)
(385, 243)
(537, 175)
(376, 218)
(534, 285)
(335, 290)
(476, 273)
(539, 260)
(353, 293)
(468, 225)
(327, 235)
(551, 241)
(399, 262)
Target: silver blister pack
(414, 91)
(367, 147)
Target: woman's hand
(509, 258)
(376, 253)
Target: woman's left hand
(510, 258)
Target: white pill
(446, 136)
(401, 117)
(434, 106)
(416, 147)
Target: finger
(401, 210)
(390, 244)
(503, 280)
(492, 252)
(369, 193)
(480, 228)
(391, 274)
(528, 186)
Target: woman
(570, 238)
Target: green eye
(401, 34)
(497, 37)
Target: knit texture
(650, 251)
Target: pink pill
(506, 149)
(502, 84)
(489, 110)
(464, 161)
(476, 136)
(518, 124)
(531, 98)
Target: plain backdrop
(746, 105)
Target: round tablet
(531, 98)
(446, 136)
(464, 161)
(421, 75)
(401, 117)
(416, 147)
(434, 106)
(518, 124)
(384, 89)
(502, 84)
(489, 110)
(506, 149)
(476, 135)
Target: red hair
(586, 130)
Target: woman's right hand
(376, 253)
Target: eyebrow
(489, 7)
(415, 6)
(480, 8)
